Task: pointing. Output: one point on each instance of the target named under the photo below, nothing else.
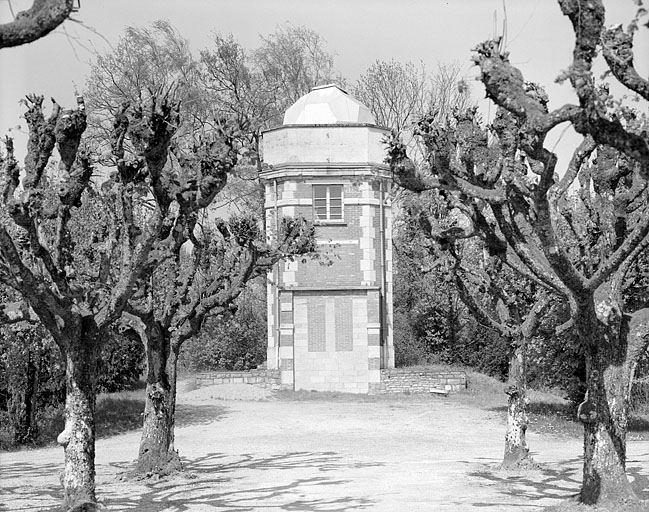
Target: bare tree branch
(617, 48)
(37, 21)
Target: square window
(327, 203)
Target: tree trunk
(604, 414)
(517, 453)
(157, 456)
(78, 438)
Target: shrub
(122, 363)
(408, 349)
(32, 378)
(236, 342)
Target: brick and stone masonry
(330, 326)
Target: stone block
(374, 376)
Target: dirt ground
(246, 451)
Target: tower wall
(330, 319)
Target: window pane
(336, 191)
(319, 191)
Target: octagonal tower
(330, 327)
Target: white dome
(328, 104)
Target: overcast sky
(359, 32)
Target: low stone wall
(397, 380)
(262, 378)
(412, 380)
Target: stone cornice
(297, 170)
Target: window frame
(328, 203)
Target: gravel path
(250, 452)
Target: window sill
(330, 223)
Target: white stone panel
(369, 254)
(374, 375)
(367, 265)
(374, 351)
(366, 243)
(369, 276)
(287, 377)
(369, 231)
(271, 358)
(290, 266)
(286, 352)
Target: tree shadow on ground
(113, 418)
(560, 481)
(116, 416)
(14, 475)
(322, 461)
(215, 481)
(126, 415)
(189, 414)
(637, 474)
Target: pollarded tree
(185, 289)
(44, 271)
(524, 198)
(514, 312)
(498, 296)
(76, 294)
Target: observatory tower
(330, 327)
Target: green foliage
(121, 364)
(234, 342)
(556, 364)
(483, 349)
(409, 350)
(426, 305)
(32, 378)
(299, 237)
